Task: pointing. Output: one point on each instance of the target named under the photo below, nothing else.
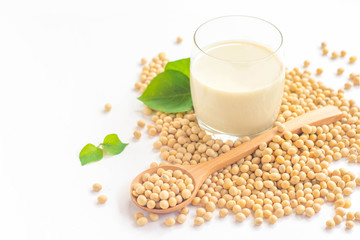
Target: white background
(61, 61)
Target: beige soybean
(96, 187)
(208, 216)
(334, 55)
(223, 212)
(154, 217)
(340, 71)
(330, 224)
(258, 221)
(141, 123)
(102, 199)
(138, 215)
(184, 211)
(147, 111)
(179, 39)
(240, 217)
(169, 221)
(142, 221)
(200, 212)
(108, 107)
(198, 221)
(137, 134)
(272, 219)
(319, 71)
(340, 211)
(143, 61)
(357, 215)
(352, 59)
(306, 63)
(338, 219)
(210, 207)
(349, 224)
(181, 218)
(309, 212)
(350, 216)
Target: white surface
(60, 62)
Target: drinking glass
(237, 76)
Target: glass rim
(240, 16)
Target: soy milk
(237, 87)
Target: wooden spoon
(200, 172)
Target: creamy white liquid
(237, 87)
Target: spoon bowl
(184, 169)
(200, 172)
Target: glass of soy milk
(237, 76)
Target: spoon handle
(318, 117)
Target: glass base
(215, 134)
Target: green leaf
(90, 153)
(113, 145)
(182, 65)
(168, 92)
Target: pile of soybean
(288, 175)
